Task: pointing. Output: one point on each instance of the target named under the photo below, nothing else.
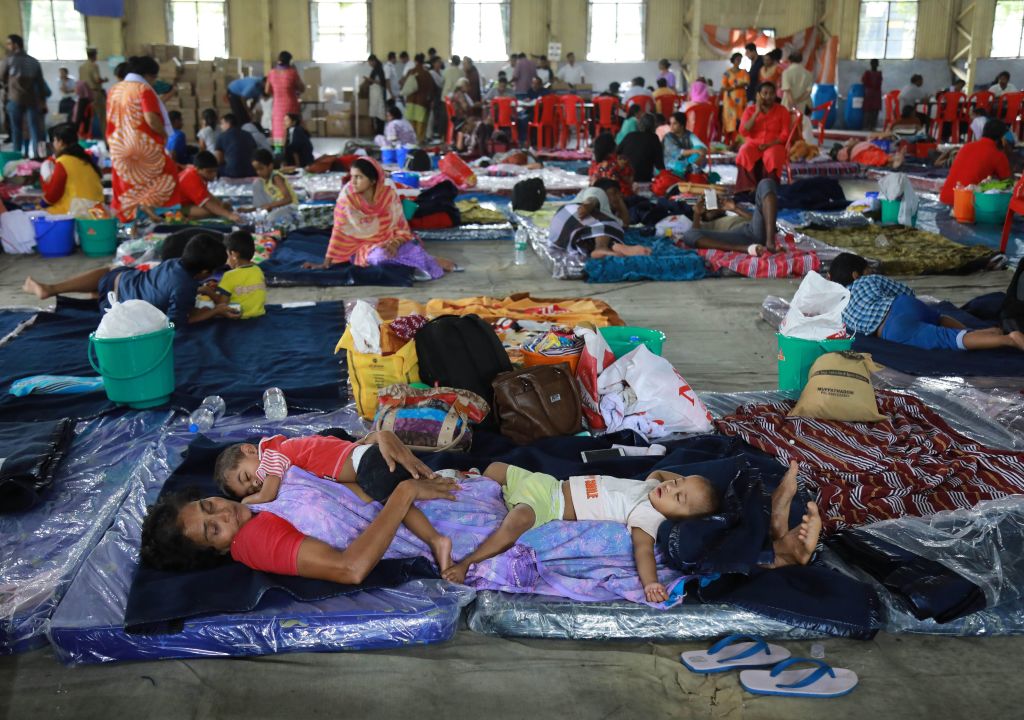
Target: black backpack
(528, 194)
(417, 161)
(462, 351)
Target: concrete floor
(717, 343)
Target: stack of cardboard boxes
(198, 84)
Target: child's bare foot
(441, 547)
(1018, 338)
(630, 250)
(456, 573)
(781, 499)
(797, 546)
(34, 287)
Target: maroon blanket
(914, 463)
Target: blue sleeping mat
(935, 217)
(88, 625)
(43, 548)
(284, 267)
(291, 347)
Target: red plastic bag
(664, 182)
(595, 358)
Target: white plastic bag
(366, 328)
(816, 312)
(674, 225)
(662, 394)
(130, 318)
(16, 232)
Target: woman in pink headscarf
(370, 227)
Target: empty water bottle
(817, 651)
(274, 405)
(521, 240)
(210, 410)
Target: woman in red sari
(143, 173)
(284, 83)
(765, 127)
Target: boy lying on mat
(253, 474)
(534, 499)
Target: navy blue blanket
(290, 347)
(31, 454)
(942, 363)
(11, 319)
(284, 267)
(812, 596)
(158, 602)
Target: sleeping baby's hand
(655, 592)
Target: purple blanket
(586, 561)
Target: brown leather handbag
(537, 402)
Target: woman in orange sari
(143, 173)
(734, 96)
(370, 227)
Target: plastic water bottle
(274, 405)
(521, 240)
(210, 410)
(817, 651)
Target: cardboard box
(339, 125)
(311, 75)
(172, 104)
(205, 88)
(365, 127)
(318, 126)
(189, 71)
(311, 94)
(205, 67)
(188, 53)
(184, 88)
(188, 101)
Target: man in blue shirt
(234, 149)
(170, 286)
(886, 308)
(176, 144)
(243, 94)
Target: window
(341, 30)
(887, 30)
(54, 30)
(480, 29)
(1008, 29)
(616, 31)
(200, 24)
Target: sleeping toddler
(253, 474)
(534, 499)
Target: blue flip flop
(819, 681)
(732, 654)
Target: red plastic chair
(795, 133)
(573, 115)
(982, 99)
(1008, 108)
(824, 109)
(646, 103)
(504, 112)
(667, 104)
(1016, 208)
(545, 120)
(700, 118)
(449, 108)
(949, 109)
(607, 110)
(892, 108)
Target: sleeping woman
(594, 223)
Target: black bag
(528, 194)
(31, 455)
(1011, 314)
(462, 351)
(418, 161)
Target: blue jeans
(911, 322)
(15, 114)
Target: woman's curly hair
(164, 545)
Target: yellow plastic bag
(369, 373)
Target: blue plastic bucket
(389, 156)
(403, 153)
(410, 179)
(854, 115)
(55, 236)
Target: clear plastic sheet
(44, 548)
(502, 178)
(88, 625)
(562, 264)
(797, 219)
(538, 616)
(987, 409)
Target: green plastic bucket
(624, 339)
(6, 156)
(990, 208)
(891, 213)
(797, 355)
(97, 237)
(137, 371)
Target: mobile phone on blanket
(590, 456)
(710, 199)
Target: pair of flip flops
(751, 655)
